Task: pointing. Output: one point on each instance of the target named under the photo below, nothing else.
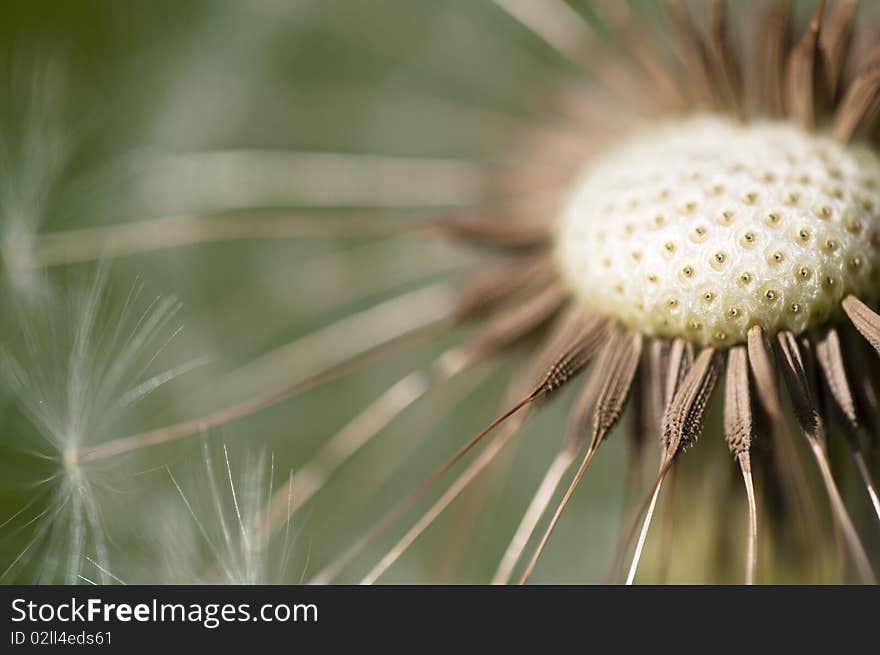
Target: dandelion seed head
(758, 218)
(212, 531)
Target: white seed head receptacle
(702, 227)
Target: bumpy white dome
(702, 227)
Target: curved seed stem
(554, 22)
(460, 484)
(854, 543)
(315, 473)
(149, 235)
(868, 482)
(335, 568)
(354, 328)
(752, 548)
(534, 512)
(643, 535)
(559, 509)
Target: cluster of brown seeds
(729, 238)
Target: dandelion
(649, 253)
(687, 222)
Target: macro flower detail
(704, 227)
(741, 209)
(673, 243)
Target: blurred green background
(100, 102)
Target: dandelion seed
(606, 242)
(691, 210)
(74, 383)
(226, 545)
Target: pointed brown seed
(683, 421)
(682, 426)
(573, 359)
(795, 373)
(571, 327)
(614, 382)
(763, 368)
(861, 365)
(865, 319)
(616, 385)
(798, 382)
(764, 372)
(652, 387)
(737, 402)
(679, 362)
(581, 415)
(603, 397)
(831, 363)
